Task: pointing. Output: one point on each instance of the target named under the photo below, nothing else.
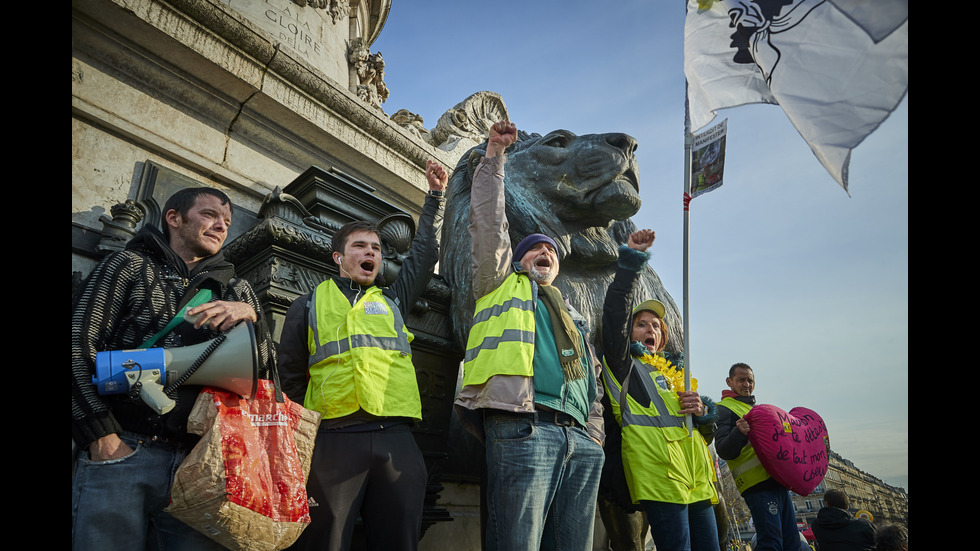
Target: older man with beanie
(837, 530)
(531, 385)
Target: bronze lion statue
(579, 190)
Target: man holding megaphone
(133, 297)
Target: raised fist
(502, 134)
(641, 240)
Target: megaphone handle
(153, 395)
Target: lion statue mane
(579, 190)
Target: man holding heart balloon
(768, 500)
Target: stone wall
(197, 87)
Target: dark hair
(339, 240)
(891, 537)
(731, 370)
(183, 200)
(836, 498)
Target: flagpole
(688, 143)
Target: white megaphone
(230, 361)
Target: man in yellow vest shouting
(531, 385)
(345, 352)
(768, 500)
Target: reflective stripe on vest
(501, 340)
(747, 469)
(360, 357)
(332, 348)
(658, 414)
(661, 462)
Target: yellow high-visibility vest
(360, 356)
(746, 469)
(501, 340)
(662, 463)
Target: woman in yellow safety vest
(669, 472)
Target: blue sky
(788, 273)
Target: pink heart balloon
(794, 447)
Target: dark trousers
(379, 475)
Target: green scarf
(567, 338)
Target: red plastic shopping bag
(244, 484)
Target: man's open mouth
(367, 265)
(543, 262)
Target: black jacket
(729, 441)
(836, 530)
(129, 297)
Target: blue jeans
(775, 520)
(542, 481)
(677, 527)
(118, 504)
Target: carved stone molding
(119, 229)
(413, 123)
(223, 43)
(337, 9)
(468, 123)
(367, 73)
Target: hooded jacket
(836, 530)
(129, 297)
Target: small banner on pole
(708, 159)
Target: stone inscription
(293, 29)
